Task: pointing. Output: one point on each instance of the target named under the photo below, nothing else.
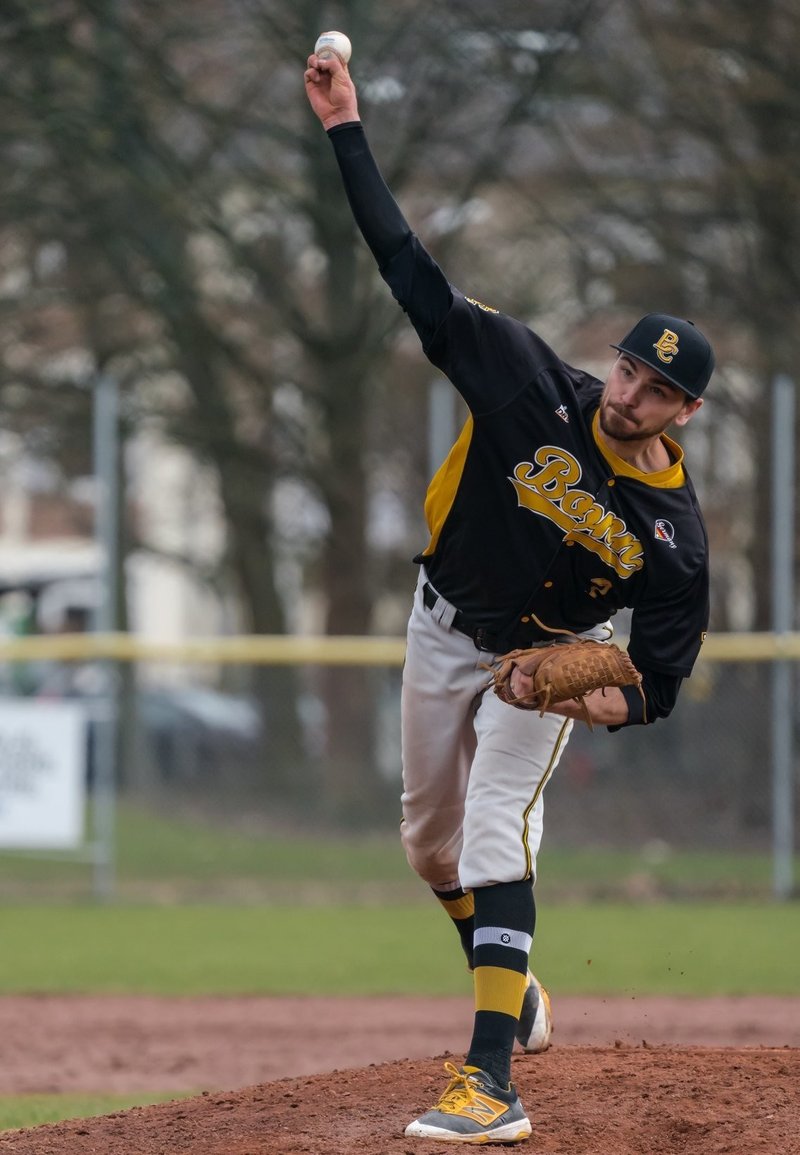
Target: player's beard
(622, 426)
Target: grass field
(31, 1110)
(169, 859)
(675, 948)
(203, 911)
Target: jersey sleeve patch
(480, 304)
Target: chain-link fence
(251, 732)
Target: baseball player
(562, 501)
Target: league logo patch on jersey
(665, 531)
(480, 304)
(563, 413)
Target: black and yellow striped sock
(461, 909)
(505, 917)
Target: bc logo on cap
(666, 346)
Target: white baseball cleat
(535, 1024)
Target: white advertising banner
(42, 774)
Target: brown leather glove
(563, 670)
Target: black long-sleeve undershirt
(375, 210)
(416, 281)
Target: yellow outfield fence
(280, 650)
(253, 649)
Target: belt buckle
(482, 638)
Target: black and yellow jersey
(531, 516)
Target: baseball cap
(675, 348)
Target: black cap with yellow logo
(676, 349)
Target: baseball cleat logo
(666, 346)
(665, 531)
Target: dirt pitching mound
(624, 1077)
(615, 1101)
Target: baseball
(330, 42)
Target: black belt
(484, 639)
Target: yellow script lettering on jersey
(548, 486)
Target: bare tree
(173, 209)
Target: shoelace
(458, 1093)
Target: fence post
(783, 706)
(105, 453)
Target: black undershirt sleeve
(416, 281)
(375, 210)
(660, 695)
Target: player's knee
(434, 866)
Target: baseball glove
(564, 670)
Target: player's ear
(690, 407)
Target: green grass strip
(613, 948)
(32, 1110)
(162, 856)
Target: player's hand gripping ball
(333, 43)
(560, 672)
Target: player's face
(637, 404)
